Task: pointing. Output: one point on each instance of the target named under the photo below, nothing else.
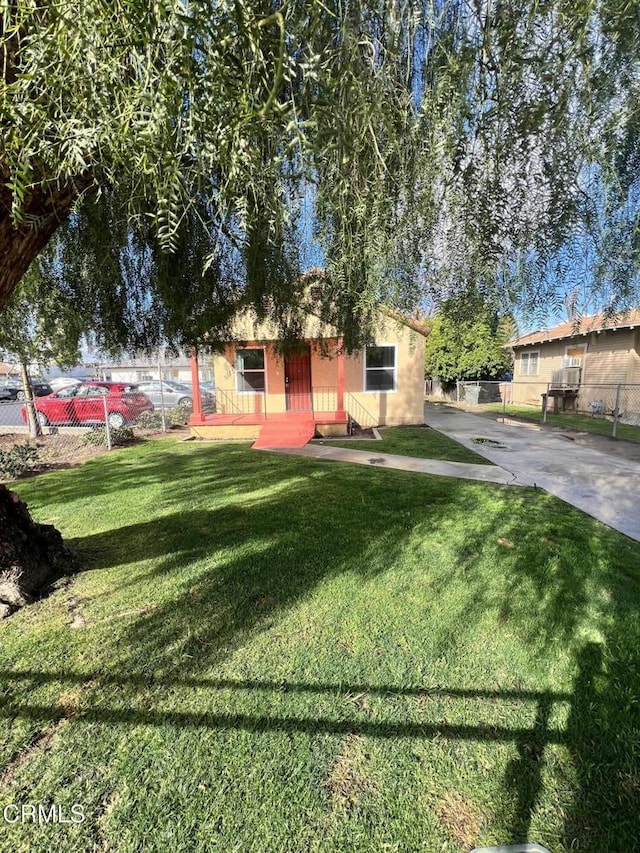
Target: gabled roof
(581, 327)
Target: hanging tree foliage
(447, 145)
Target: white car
(63, 382)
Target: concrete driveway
(605, 486)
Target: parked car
(172, 394)
(207, 394)
(13, 389)
(84, 404)
(59, 382)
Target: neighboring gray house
(145, 368)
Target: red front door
(297, 379)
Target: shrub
(119, 437)
(18, 460)
(150, 420)
(177, 416)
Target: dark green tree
(464, 348)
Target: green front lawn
(422, 442)
(567, 420)
(271, 653)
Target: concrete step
(287, 431)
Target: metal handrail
(231, 403)
(358, 413)
(324, 398)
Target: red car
(85, 405)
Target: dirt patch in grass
(41, 743)
(62, 450)
(348, 781)
(459, 817)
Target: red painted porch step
(291, 429)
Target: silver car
(170, 394)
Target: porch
(248, 417)
(288, 419)
(282, 400)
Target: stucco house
(581, 363)
(283, 397)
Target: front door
(297, 379)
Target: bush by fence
(17, 460)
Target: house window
(574, 355)
(529, 363)
(380, 368)
(250, 370)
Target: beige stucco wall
(227, 432)
(225, 378)
(405, 405)
(402, 406)
(247, 328)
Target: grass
(568, 420)
(422, 442)
(270, 653)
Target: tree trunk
(31, 555)
(43, 210)
(32, 419)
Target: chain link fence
(611, 409)
(82, 419)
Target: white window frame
(239, 372)
(528, 355)
(393, 390)
(583, 347)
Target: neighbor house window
(529, 363)
(250, 370)
(574, 355)
(380, 368)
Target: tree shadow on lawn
(172, 468)
(603, 816)
(232, 568)
(235, 568)
(579, 578)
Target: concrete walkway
(605, 486)
(466, 471)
